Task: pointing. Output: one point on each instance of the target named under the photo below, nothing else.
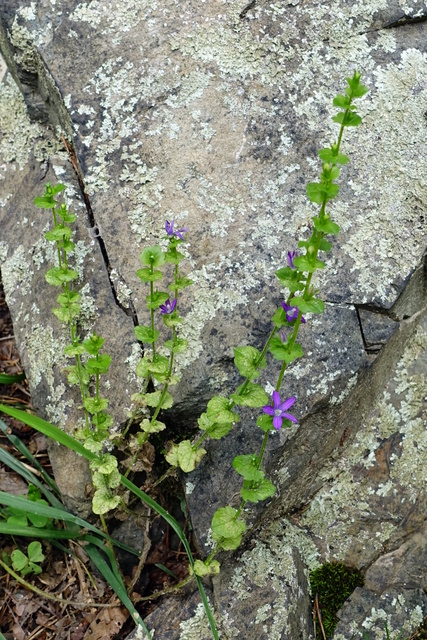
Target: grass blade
(6, 378)
(35, 532)
(28, 506)
(116, 583)
(63, 438)
(17, 466)
(20, 446)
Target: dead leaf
(107, 624)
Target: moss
(333, 583)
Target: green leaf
(250, 395)
(105, 465)
(145, 275)
(93, 445)
(247, 360)
(292, 279)
(348, 119)
(146, 366)
(58, 233)
(58, 276)
(279, 318)
(185, 456)
(44, 203)
(19, 560)
(265, 489)
(226, 524)
(217, 431)
(152, 426)
(247, 466)
(173, 256)
(178, 345)
(73, 375)
(180, 283)
(280, 350)
(325, 245)
(100, 364)
(171, 319)
(94, 405)
(93, 345)
(66, 314)
(327, 155)
(17, 519)
(6, 378)
(103, 501)
(265, 422)
(203, 569)
(74, 350)
(326, 225)
(159, 297)
(305, 264)
(146, 334)
(152, 256)
(320, 192)
(218, 410)
(35, 553)
(153, 399)
(356, 89)
(342, 101)
(36, 520)
(65, 215)
(313, 305)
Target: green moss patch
(333, 583)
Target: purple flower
(168, 307)
(291, 312)
(290, 258)
(278, 410)
(172, 232)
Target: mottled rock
(366, 612)
(265, 591)
(212, 114)
(177, 618)
(377, 328)
(403, 568)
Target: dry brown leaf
(106, 624)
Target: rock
(377, 328)
(177, 619)
(264, 591)
(213, 116)
(403, 568)
(365, 612)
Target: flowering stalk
(155, 366)
(227, 526)
(97, 420)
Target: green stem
(152, 310)
(110, 544)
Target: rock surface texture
(212, 113)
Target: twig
(319, 616)
(164, 592)
(49, 596)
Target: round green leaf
(226, 524)
(265, 489)
(152, 256)
(247, 466)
